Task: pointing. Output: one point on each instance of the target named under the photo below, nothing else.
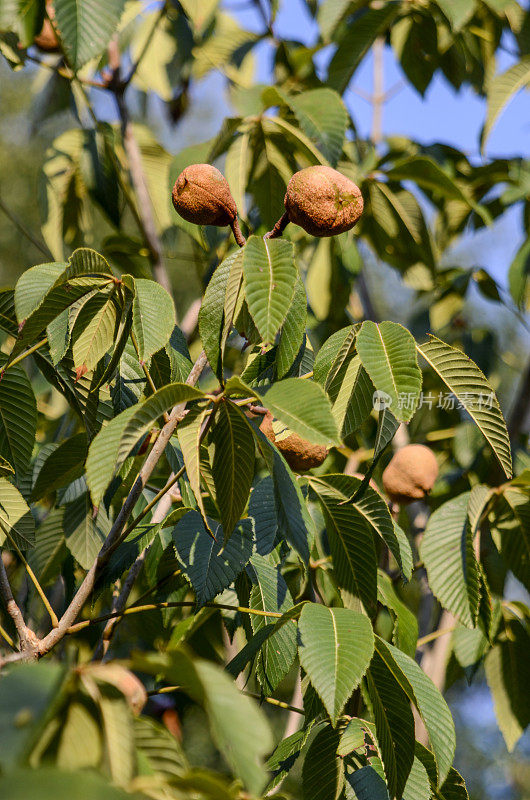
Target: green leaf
(329, 352)
(85, 261)
(5, 468)
(293, 330)
(431, 705)
(427, 174)
(33, 286)
(153, 317)
(80, 744)
(210, 565)
(109, 449)
(49, 783)
(351, 543)
(294, 521)
(511, 532)
(501, 90)
(94, 331)
(189, 434)
(119, 737)
(270, 278)
(458, 12)
(326, 130)
(388, 354)
(84, 533)
(18, 417)
(330, 13)
(449, 558)
(86, 26)
(233, 463)
(64, 465)
(270, 593)
(285, 755)
(466, 381)
(47, 556)
(16, 520)
(212, 319)
(239, 728)
(159, 747)
(506, 666)
(368, 784)
(393, 721)
(519, 277)
(356, 41)
(303, 406)
(262, 509)
(335, 649)
(406, 624)
(323, 771)
(418, 786)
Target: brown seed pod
(201, 195)
(411, 473)
(47, 40)
(300, 454)
(323, 201)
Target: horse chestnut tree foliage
(194, 527)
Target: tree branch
(86, 587)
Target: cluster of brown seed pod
(323, 202)
(319, 199)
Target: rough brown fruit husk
(323, 201)
(300, 454)
(411, 473)
(47, 40)
(201, 195)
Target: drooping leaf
(387, 352)
(294, 520)
(323, 771)
(212, 312)
(18, 417)
(153, 317)
(233, 463)
(270, 593)
(270, 278)
(262, 509)
(64, 465)
(351, 543)
(448, 554)
(293, 329)
(16, 521)
(335, 649)
(86, 26)
(393, 721)
(209, 565)
(356, 41)
(84, 531)
(505, 673)
(501, 89)
(429, 702)
(325, 130)
(114, 442)
(94, 332)
(285, 755)
(462, 377)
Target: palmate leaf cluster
(256, 577)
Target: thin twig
(23, 355)
(35, 582)
(27, 233)
(146, 45)
(27, 638)
(169, 604)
